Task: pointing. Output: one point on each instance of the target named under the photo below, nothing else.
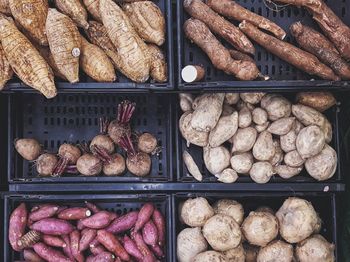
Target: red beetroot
(150, 233)
(92, 207)
(102, 145)
(49, 254)
(123, 223)
(53, 241)
(87, 235)
(102, 257)
(74, 246)
(131, 248)
(30, 255)
(74, 213)
(159, 221)
(144, 215)
(52, 226)
(98, 220)
(89, 165)
(111, 243)
(141, 245)
(17, 225)
(44, 211)
(67, 249)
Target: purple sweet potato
(94, 242)
(111, 243)
(159, 221)
(157, 250)
(53, 241)
(87, 235)
(44, 211)
(67, 249)
(74, 213)
(80, 225)
(150, 233)
(74, 237)
(131, 248)
(50, 254)
(92, 207)
(102, 257)
(123, 223)
(52, 226)
(141, 245)
(61, 208)
(98, 220)
(30, 255)
(98, 249)
(144, 215)
(17, 225)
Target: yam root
(293, 55)
(95, 63)
(46, 53)
(233, 10)
(5, 7)
(133, 62)
(93, 7)
(200, 34)
(25, 60)
(29, 239)
(317, 44)
(191, 166)
(75, 10)
(237, 55)
(148, 21)
(192, 73)
(31, 15)
(158, 64)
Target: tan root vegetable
(276, 251)
(297, 219)
(244, 117)
(132, 51)
(288, 140)
(242, 104)
(265, 209)
(260, 228)
(252, 98)
(159, 68)
(293, 159)
(148, 21)
(287, 172)
(317, 44)
(293, 55)
(65, 43)
(236, 254)
(321, 101)
(95, 63)
(192, 166)
(310, 141)
(31, 15)
(237, 55)
(192, 73)
(264, 149)
(233, 10)
(115, 167)
(227, 175)
(242, 163)
(261, 172)
(199, 33)
(322, 166)
(263, 127)
(75, 10)
(190, 242)
(259, 116)
(147, 143)
(281, 126)
(6, 71)
(216, 159)
(25, 60)
(28, 148)
(225, 128)
(231, 98)
(45, 53)
(230, 208)
(210, 256)
(5, 7)
(278, 156)
(244, 139)
(46, 164)
(315, 248)
(191, 135)
(93, 7)
(222, 232)
(276, 106)
(186, 101)
(195, 212)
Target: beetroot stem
(126, 144)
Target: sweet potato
(5, 7)
(148, 21)
(199, 33)
(29, 239)
(330, 23)
(123, 223)
(95, 63)
(98, 249)
(150, 233)
(281, 126)
(287, 172)
(94, 208)
(74, 213)
(310, 141)
(102, 257)
(192, 166)
(291, 54)
(191, 135)
(244, 117)
(74, 246)
(131, 49)
(17, 225)
(6, 71)
(244, 139)
(67, 249)
(49, 253)
(132, 248)
(317, 44)
(321, 101)
(186, 100)
(159, 67)
(98, 220)
(75, 10)
(44, 211)
(25, 60)
(233, 10)
(141, 245)
(144, 216)
(93, 7)
(216, 159)
(87, 235)
(31, 15)
(198, 10)
(28, 148)
(111, 243)
(157, 251)
(65, 43)
(52, 226)
(225, 128)
(30, 255)
(53, 241)
(159, 221)
(264, 149)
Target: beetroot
(115, 167)
(46, 164)
(89, 165)
(147, 143)
(71, 152)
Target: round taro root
(310, 141)
(190, 242)
(276, 251)
(259, 116)
(89, 165)
(230, 208)
(228, 175)
(231, 98)
(216, 159)
(244, 139)
(195, 212)
(263, 127)
(281, 126)
(222, 232)
(315, 248)
(264, 149)
(191, 135)
(28, 148)
(261, 172)
(260, 228)
(244, 117)
(276, 106)
(115, 167)
(210, 256)
(252, 98)
(242, 163)
(147, 143)
(293, 159)
(46, 164)
(278, 156)
(322, 166)
(70, 152)
(297, 219)
(236, 254)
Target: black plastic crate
(74, 118)
(197, 153)
(120, 204)
(282, 75)
(89, 85)
(324, 204)
(3, 141)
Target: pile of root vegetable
(98, 37)
(100, 156)
(221, 233)
(266, 133)
(50, 232)
(325, 56)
